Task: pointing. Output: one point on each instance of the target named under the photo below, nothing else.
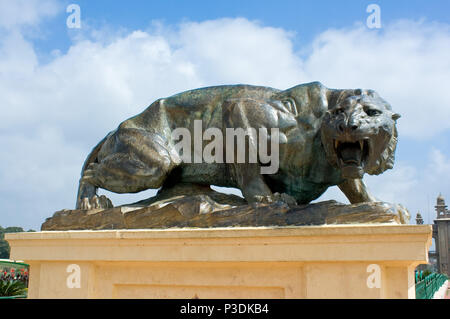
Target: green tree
(4, 246)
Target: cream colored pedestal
(269, 262)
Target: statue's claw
(96, 202)
(84, 204)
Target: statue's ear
(396, 116)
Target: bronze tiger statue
(326, 137)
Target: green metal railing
(427, 287)
(13, 279)
(14, 297)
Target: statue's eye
(373, 112)
(290, 105)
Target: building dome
(440, 201)
(419, 219)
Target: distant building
(432, 262)
(441, 235)
(419, 219)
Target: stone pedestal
(357, 261)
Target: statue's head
(359, 133)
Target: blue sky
(305, 18)
(62, 90)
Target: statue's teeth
(361, 144)
(336, 144)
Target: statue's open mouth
(352, 157)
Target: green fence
(427, 287)
(13, 279)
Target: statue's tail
(86, 190)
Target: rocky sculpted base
(188, 205)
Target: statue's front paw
(96, 202)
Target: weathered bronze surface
(326, 137)
(200, 206)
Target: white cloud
(436, 177)
(88, 91)
(396, 185)
(414, 187)
(406, 63)
(439, 164)
(53, 114)
(399, 185)
(228, 51)
(37, 175)
(433, 179)
(15, 13)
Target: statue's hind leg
(130, 161)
